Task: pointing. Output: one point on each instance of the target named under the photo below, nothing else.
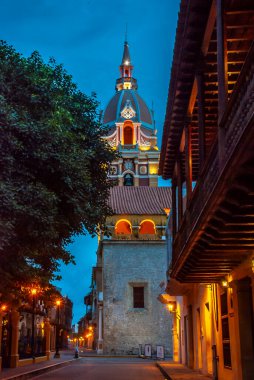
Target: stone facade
(138, 263)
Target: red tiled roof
(140, 200)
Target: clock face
(128, 165)
(128, 113)
(143, 169)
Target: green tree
(54, 167)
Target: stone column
(121, 134)
(190, 362)
(135, 135)
(14, 339)
(47, 336)
(100, 339)
(175, 338)
(136, 178)
(120, 172)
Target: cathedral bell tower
(131, 131)
(132, 257)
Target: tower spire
(126, 60)
(126, 82)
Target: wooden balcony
(216, 231)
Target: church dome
(116, 105)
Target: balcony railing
(128, 147)
(235, 121)
(126, 80)
(136, 236)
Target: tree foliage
(54, 167)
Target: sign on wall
(148, 350)
(160, 353)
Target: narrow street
(106, 369)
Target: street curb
(39, 371)
(163, 371)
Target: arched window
(128, 180)
(147, 227)
(128, 135)
(123, 227)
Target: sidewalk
(175, 371)
(30, 370)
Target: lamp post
(57, 353)
(34, 292)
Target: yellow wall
(207, 327)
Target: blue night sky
(87, 36)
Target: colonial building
(208, 154)
(132, 261)
(30, 333)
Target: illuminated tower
(132, 260)
(131, 131)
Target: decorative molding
(144, 142)
(128, 112)
(112, 142)
(110, 137)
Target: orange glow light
(34, 291)
(224, 283)
(3, 307)
(58, 302)
(147, 226)
(172, 306)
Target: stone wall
(127, 264)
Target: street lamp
(57, 353)
(34, 292)
(172, 306)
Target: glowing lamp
(3, 307)
(126, 62)
(153, 169)
(58, 302)
(172, 306)
(34, 291)
(224, 283)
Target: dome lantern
(126, 81)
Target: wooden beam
(179, 188)
(240, 12)
(209, 28)
(173, 209)
(222, 74)
(201, 113)
(193, 97)
(188, 159)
